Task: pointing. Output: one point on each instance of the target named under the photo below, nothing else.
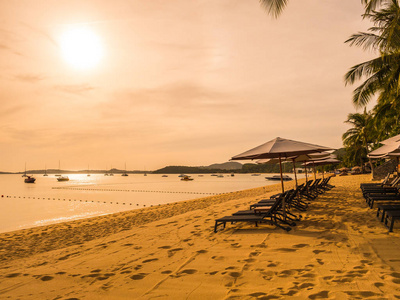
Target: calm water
(48, 201)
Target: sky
(102, 84)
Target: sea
(48, 201)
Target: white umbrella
(280, 148)
(393, 147)
(391, 140)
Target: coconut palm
(360, 136)
(382, 73)
(275, 7)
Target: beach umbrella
(280, 148)
(391, 140)
(322, 162)
(391, 148)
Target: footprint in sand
(173, 251)
(188, 271)
(212, 273)
(287, 249)
(218, 257)
(164, 247)
(319, 251)
(166, 272)
(138, 276)
(235, 274)
(363, 294)
(320, 295)
(46, 278)
(202, 251)
(320, 261)
(149, 260)
(301, 246)
(12, 275)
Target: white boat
(186, 178)
(30, 179)
(277, 177)
(24, 175)
(164, 176)
(63, 178)
(125, 174)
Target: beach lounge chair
(263, 216)
(381, 189)
(382, 208)
(384, 198)
(391, 215)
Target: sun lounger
(262, 216)
(383, 208)
(383, 198)
(393, 215)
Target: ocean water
(49, 201)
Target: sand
(340, 250)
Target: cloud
(77, 89)
(31, 78)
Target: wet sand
(340, 250)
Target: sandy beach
(340, 250)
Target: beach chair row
(279, 209)
(386, 197)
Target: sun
(81, 48)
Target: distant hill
(232, 165)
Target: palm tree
(383, 72)
(359, 138)
(275, 7)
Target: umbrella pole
(294, 170)
(323, 171)
(280, 168)
(315, 172)
(305, 170)
(283, 189)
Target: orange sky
(179, 82)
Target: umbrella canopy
(327, 161)
(280, 148)
(391, 148)
(391, 140)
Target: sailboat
(24, 175)
(58, 169)
(45, 171)
(125, 174)
(88, 170)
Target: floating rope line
(137, 191)
(110, 202)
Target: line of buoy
(92, 201)
(138, 191)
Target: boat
(232, 175)
(220, 175)
(63, 178)
(24, 175)
(186, 178)
(45, 171)
(277, 177)
(29, 179)
(164, 176)
(255, 174)
(125, 174)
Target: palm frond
(274, 7)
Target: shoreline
(339, 250)
(101, 226)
